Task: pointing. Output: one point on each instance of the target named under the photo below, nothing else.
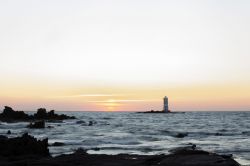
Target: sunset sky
(125, 55)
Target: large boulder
(24, 145)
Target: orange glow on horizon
(98, 98)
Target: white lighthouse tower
(165, 104)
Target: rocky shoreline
(27, 150)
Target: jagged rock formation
(42, 114)
(9, 115)
(24, 145)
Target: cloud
(88, 95)
(119, 101)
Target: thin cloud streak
(120, 101)
(87, 95)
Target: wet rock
(24, 145)
(80, 151)
(37, 125)
(190, 148)
(218, 134)
(58, 144)
(80, 122)
(181, 135)
(227, 156)
(80, 157)
(246, 132)
(50, 127)
(96, 149)
(8, 132)
(91, 123)
(188, 157)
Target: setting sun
(109, 105)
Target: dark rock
(37, 125)
(189, 157)
(181, 135)
(9, 115)
(80, 122)
(193, 147)
(24, 145)
(51, 113)
(186, 149)
(80, 151)
(2, 137)
(58, 144)
(218, 134)
(80, 157)
(227, 156)
(8, 132)
(91, 123)
(96, 149)
(42, 114)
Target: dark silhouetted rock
(218, 134)
(8, 132)
(2, 137)
(37, 125)
(91, 123)
(184, 157)
(190, 157)
(42, 114)
(51, 113)
(24, 145)
(9, 115)
(58, 144)
(181, 135)
(80, 151)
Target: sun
(111, 105)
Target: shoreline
(80, 157)
(27, 150)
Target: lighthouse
(165, 104)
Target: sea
(147, 134)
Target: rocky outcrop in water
(181, 135)
(43, 114)
(37, 125)
(9, 115)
